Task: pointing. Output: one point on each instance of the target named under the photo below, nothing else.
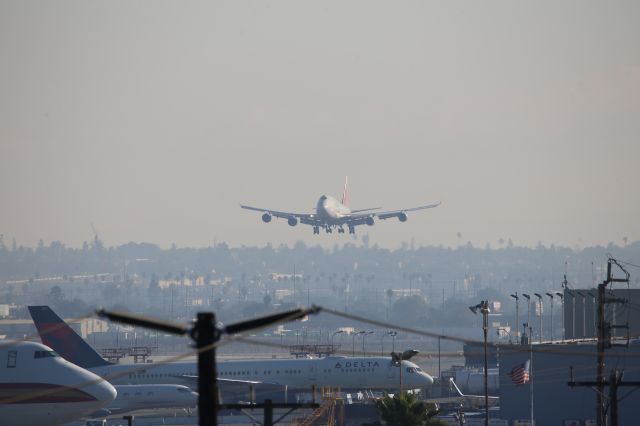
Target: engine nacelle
(402, 217)
(369, 221)
(266, 218)
(292, 221)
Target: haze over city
(154, 120)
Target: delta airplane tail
(56, 334)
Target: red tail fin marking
(345, 197)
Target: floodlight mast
(515, 296)
(539, 296)
(206, 334)
(483, 307)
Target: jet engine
(266, 218)
(369, 221)
(402, 217)
(292, 221)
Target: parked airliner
(38, 387)
(149, 397)
(346, 372)
(332, 214)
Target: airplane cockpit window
(44, 354)
(411, 369)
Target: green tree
(406, 410)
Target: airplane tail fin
(345, 195)
(57, 334)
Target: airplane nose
(103, 391)
(428, 380)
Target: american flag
(520, 373)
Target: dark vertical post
(439, 374)
(268, 413)
(485, 328)
(205, 336)
(613, 396)
(600, 420)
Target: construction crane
(96, 240)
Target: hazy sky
(154, 120)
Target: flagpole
(531, 373)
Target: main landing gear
(316, 230)
(352, 229)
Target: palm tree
(406, 410)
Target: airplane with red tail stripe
(332, 214)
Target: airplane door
(312, 373)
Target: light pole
(382, 341)
(526, 296)
(515, 296)
(393, 339)
(397, 359)
(573, 313)
(561, 296)
(334, 333)
(595, 327)
(539, 296)
(353, 341)
(584, 313)
(366, 333)
(551, 301)
(483, 306)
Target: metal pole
(515, 296)
(439, 374)
(562, 300)
(539, 296)
(485, 329)
(268, 413)
(531, 373)
(205, 335)
(551, 328)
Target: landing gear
(328, 229)
(316, 230)
(352, 229)
(341, 230)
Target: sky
(154, 120)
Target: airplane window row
(358, 370)
(158, 375)
(255, 373)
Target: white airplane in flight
(333, 214)
(38, 387)
(346, 372)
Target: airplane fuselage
(331, 210)
(38, 387)
(359, 372)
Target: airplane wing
(402, 213)
(365, 210)
(306, 218)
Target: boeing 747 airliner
(333, 214)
